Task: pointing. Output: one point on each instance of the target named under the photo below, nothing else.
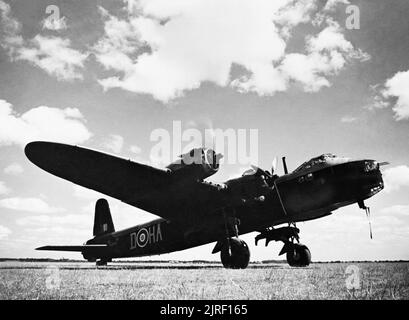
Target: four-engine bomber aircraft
(195, 212)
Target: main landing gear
(234, 252)
(298, 255)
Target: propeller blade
(368, 215)
(214, 153)
(274, 165)
(385, 163)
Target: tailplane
(103, 221)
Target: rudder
(103, 223)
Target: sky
(311, 77)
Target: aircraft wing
(151, 189)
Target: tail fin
(103, 221)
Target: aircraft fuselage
(294, 197)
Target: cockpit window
(320, 161)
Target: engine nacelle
(198, 164)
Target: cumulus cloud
(394, 93)
(120, 42)
(3, 188)
(164, 48)
(13, 169)
(41, 123)
(396, 178)
(292, 14)
(28, 204)
(55, 56)
(10, 29)
(331, 5)
(114, 143)
(4, 232)
(398, 87)
(52, 54)
(327, 53)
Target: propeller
(381, 164)
(214, 162)
(216, 157)
(274, 165)
(368, 215)
(254, 169)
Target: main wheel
(235, 254)
(299, 255)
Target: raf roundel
(142, 237)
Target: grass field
(57, 280)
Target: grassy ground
(33, 280)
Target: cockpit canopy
(322, 161)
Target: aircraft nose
(372, 177)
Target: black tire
(299, 256)
(237, 257)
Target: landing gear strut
(298, 255)
(234, 252)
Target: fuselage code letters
(145, 236)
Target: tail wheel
(101, 262)
(299, 256)
(235, 254)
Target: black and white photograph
(216, 151)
